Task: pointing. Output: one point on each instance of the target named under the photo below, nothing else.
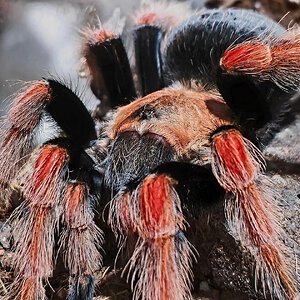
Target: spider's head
(165, 127)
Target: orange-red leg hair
(36, 220)
(19, 129)
(277, 61)
(81, 241)
(161, 263)
(252, 215)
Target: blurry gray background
(42, 38)
(38, 38)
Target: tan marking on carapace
(183, 117)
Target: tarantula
(210, 95)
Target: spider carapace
(209, 95)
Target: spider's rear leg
(147, 41)
(152, 23)
(251, 212)
(108, 64)
(253, 61)
(46, 191)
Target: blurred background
(42, 38)
(38, 38)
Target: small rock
(203, 286)
(5, 235)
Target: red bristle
(286, 54)
(286, 64)
(81, 238)
(20, 128)
(28, 290)
(37, 235)
(256, 219)
(159, 213)
(248, 58)
(154, 193)
(27, 107)
(127, 222)
(161, 268)
(100, 36)
(147, 19)
(235, 167)
(74, 204)
(277, 60)
(50, 162)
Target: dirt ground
(222, 270)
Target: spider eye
(147, 112)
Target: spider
(210, 94)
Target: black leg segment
(112, 80)
(70, 114)
(147, 42)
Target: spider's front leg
(160, 265)
(36, 221)
(252, 214)
(56, 181)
